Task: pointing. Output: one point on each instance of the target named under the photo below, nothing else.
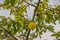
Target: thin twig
(30, 4)
(3, 4)
(9, 33)
(33, 18)
(18, 4)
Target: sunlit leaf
(51, 28)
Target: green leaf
(41, 8)
(56, 34)
(6, 1)
(51, 28)
(45, 0)
(45, 5)
(7, 6)
(12, 2)
(31, 0)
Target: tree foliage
(43, 15)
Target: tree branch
(35, 10)
(9, 33)
(27, 35)
(33, 18)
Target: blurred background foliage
(45, 14)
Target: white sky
(30, 11)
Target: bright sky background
(30, 11)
